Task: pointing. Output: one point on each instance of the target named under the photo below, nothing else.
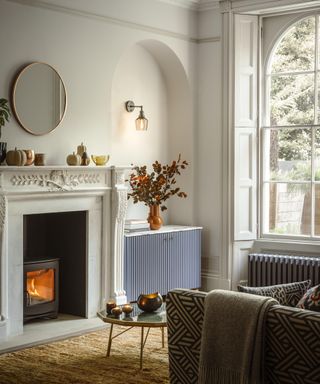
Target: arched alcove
(150, 73)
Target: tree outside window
(291, 133)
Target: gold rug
(82, 360)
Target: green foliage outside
(293, 229)
(295, 52)
(292, 96)
(292, 103)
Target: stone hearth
(100, 191)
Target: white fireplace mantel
(100, 191)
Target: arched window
(291, 134)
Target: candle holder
(109, 306)
(116, 311)
(150, 302)
(127, 309)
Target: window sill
(285, 245)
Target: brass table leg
(110, 341)
(141, 346)
(143, 343)
(113, 337)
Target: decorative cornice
(55, 180)
(187, 4)
(225, 6)
(201, 6)
(103, 18)
(194, 5)
(266, 6)
(208, 5)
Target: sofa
(291, 345)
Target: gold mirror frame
(15, 107)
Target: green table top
(137, 318)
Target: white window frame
(262, 150)
(235, 247)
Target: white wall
(109, 52)
(86, 52)
(139, 78)
(210, 167)
(182, 124)
(97, 53)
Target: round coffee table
(137, 318)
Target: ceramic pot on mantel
(154, 218)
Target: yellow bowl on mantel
(100, 159)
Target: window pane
(292, 100)
(295, 51)
(289, 154)
(289, 209)
(317, 211)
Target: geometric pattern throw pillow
(311, 299)
(286, 294)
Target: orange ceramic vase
(154, 217)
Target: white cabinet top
(163, 229)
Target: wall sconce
(141, 120)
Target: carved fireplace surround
(100, 192)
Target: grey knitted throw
(232, 338)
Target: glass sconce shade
(141, 122)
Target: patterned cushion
(311, 299)
(286, 294)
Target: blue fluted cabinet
(158, 261)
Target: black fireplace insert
(55, 264)
(41, 289)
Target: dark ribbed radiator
(267, 269)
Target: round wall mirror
(39, 98)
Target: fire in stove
(41, 289)
(40, 286)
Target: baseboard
(210, 282)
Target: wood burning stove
(41, 289)
(52, 285)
